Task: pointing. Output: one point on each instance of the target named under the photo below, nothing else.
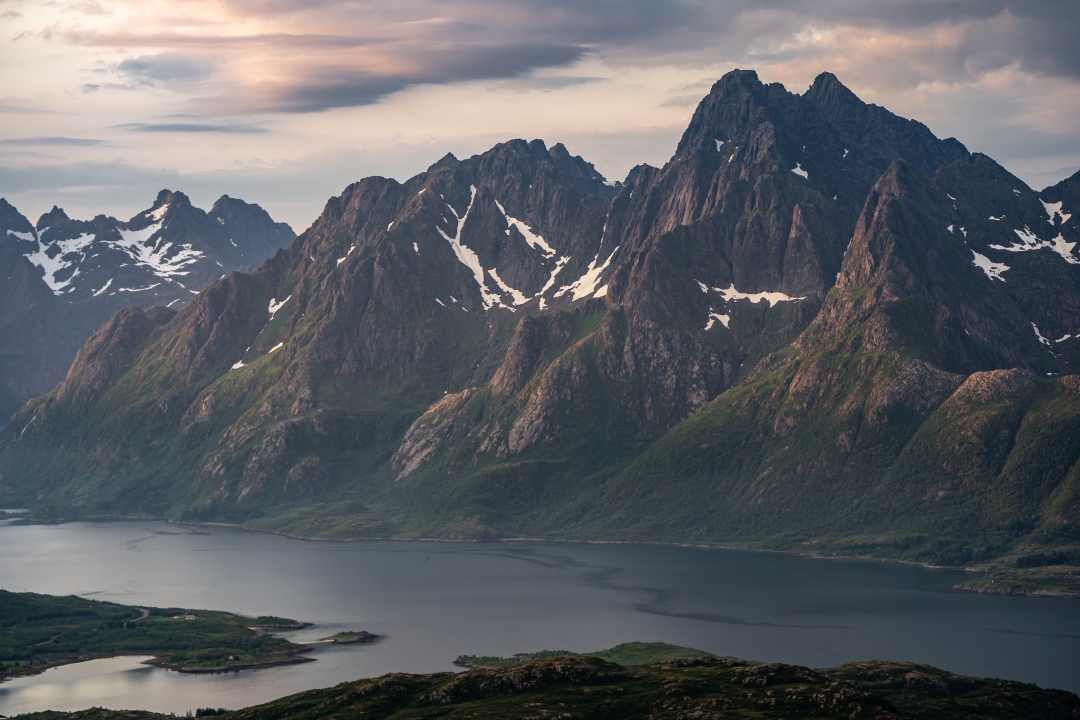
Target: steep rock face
(868, 420)
(1026, 246)
(715, 260)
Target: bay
(431, 601)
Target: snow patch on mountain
(275, 306)
(719, 144)
(165, 259)
(1029, 241)
(798, 170)
(103, 287)
(60, 255)
(559, 265)
(519, 297)
(1053, 209)
(1038, 334)
(467, 257)
(148, 287)
(586, 285)
(31, 238)
(725, 320)
(992, 269)
(772, 298)
(533, 239)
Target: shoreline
(1020, 592)
(296, 657)
(699, 546)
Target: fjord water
(432, 601)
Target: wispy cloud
(54, 141)
(168, 67)
(337, 86)
(192, 128)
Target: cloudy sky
(284, 102)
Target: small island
(627, 654)
(44, 631)
(351, 637)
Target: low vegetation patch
(705, 688)
(42, 631)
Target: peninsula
(38, 632)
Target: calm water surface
(434, 601)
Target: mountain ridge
(785, 333)
(72, 275)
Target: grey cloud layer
(164, 68)
(355, 52)
(343, 87)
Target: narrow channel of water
(433, 601)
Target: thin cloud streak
(54, 141)
(192, 128)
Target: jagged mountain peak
(167, 197)
(514, 227)
(447, 160)
(52, 218)
(828, 89)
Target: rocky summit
(817, 327)
(66, 277)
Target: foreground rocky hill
(587, 687)
(66, 277)
(818, 326)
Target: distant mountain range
(817, 327)
(66, 277)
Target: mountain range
(818, 327)
(66, 277)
